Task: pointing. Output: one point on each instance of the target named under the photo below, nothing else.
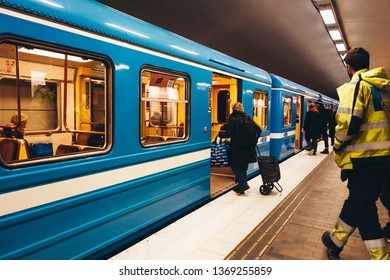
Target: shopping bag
(219, 152)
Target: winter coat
(237, 155)
(366, 135)
(312, 124)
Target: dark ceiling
(284, 37)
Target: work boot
(332, 250)
(325, 151)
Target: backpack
(248, 133)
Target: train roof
(98, 18)
(280, 82)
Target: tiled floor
(289, 224)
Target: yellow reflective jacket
(365, 132)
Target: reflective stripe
(375, 243)
(369, 146)
(358, 113)
(368, 126)
(347, 227)
(348, 111)
(343, 137)
(341, 232)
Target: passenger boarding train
(121, 117)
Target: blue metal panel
(85, 225)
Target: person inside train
(156, 118)
(239, 156)
(362, 151)
(15, 128)
(312, 128)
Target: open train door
(223, 96)
(298, 124)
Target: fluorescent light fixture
(328, 16)
(53, 54)
(331, 24)
(341, 47)
(335, 34)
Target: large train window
(260, 108)
(287, 110)
(52, 104)
(164, 107)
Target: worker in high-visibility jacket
(362, 151)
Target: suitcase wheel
(264, 189)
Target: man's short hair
(357, 59)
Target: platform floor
(280, 226)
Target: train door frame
(298, 123)
(222, 178)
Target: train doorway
(224, 94)
(298, 124)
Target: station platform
(283, 225)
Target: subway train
(120, 117)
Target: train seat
(9, 149)
(14, 149)
(63, 149)
(82, 138)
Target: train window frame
(29, 56)
(287, 110)
(164, 106)
(260, 108)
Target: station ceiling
(284, 37)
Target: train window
(164, 108)
(287, 110)
(63, 97)
(260, 108)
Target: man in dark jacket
(312, 128)
(239, 157)
(325, 116)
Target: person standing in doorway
(312, 128)
(239, 155)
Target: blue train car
(121, 115)
(288, 108)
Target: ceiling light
(341, 47)
(335, 34)
(328, 16)
(332, 26)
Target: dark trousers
(239, 170)
(359, 209)
(312, 142)
(325, 137)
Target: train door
(298, 122)
(224, 94)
